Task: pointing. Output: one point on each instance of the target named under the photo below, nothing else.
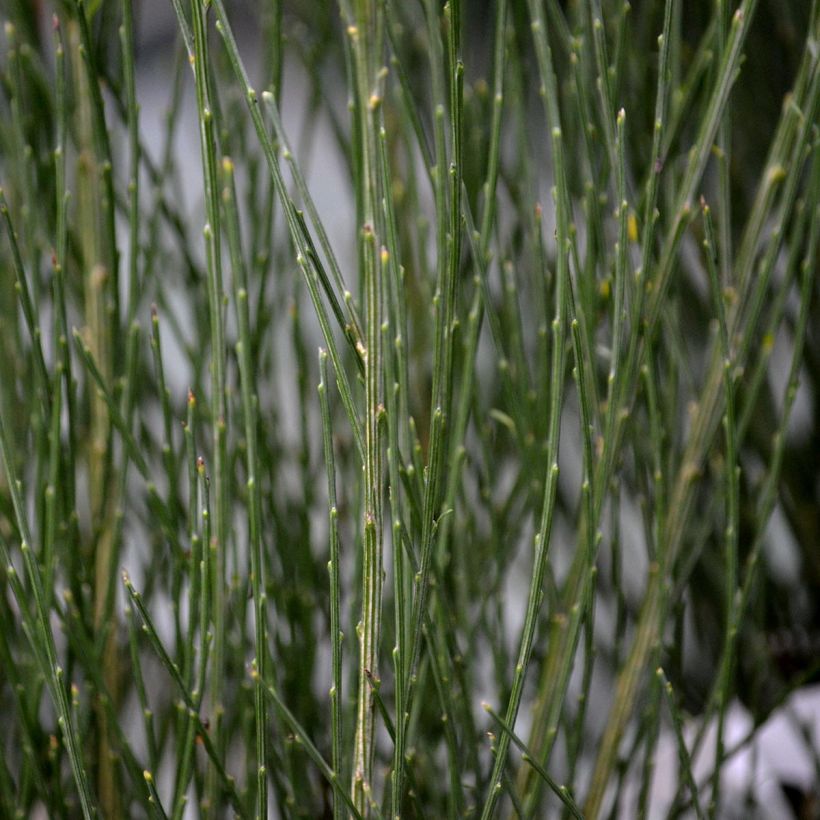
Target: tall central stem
(365, 33)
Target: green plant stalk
(106, 639)
(99, 283)
(97, 140)
(681, 499)
(561, 792)
(585, 276)
(189, 702)
(314, 754)
(171, 468)
(723, 147)
(401, 431)
(39, 631)
(494, 429)
(565, 631)
(303, 256)
(22, 148)
(398, 419)
(439, 654)
(653, 722)
(61, 357)
(637, 347)
(617, 363)
(34, 769)
(549, 92)
(699, 156)
(128, 440)
(335, 585)
(598, 36)
(659, 131)
(587, 512)
(61, 334)
(683, 754)
(353, 327)
(562, 625)
(31, 319)
(748, 312)
(479, 247)
(449, 258)
(455, 792)
(165, 402)
(769, 491)
(185, 730)
(732, 505)
(365, 32)
(405, 94)
(768, 495)
(205, 569)
(142, 693)
(107, 634)
(49, 535)
(758, 375)
(621, 36)
(249, 404)
(82, 645)
(441, 658)
(129, 77)
(771, 184)
(212, 232)
(153, 796)
(163, 171)
(783, 170)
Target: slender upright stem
(217, 543)
(249, 417)
(365, 32)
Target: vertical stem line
(335, 586)
(724, 153)
(249, 415)
(127, 42)
(365, 31)
(99, 143)
(94, 200)
(218, 544)
(549, 94)
(596, 24)
(732, 504)
(60, 248)
(448, 258)
(186, 723)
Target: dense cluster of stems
(563, 317)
